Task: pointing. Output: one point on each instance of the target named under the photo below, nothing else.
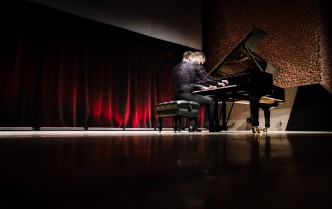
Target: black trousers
(205, 101)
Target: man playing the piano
(198, 59)
(188, 76)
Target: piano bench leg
(177, 123)
(160, 126)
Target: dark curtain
(61, 70)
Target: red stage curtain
(60, 70)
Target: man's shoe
(213, 129)
(197, 130)
(191, 129)
(194, 129)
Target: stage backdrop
(61, 70)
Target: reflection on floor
(148, 169)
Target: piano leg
(223, 109)
(267, 119)
(216, 118)
(267, 112)
(217, 126)
(254, 112)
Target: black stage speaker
(312, 109)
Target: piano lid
(243, 57)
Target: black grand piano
(250, 81)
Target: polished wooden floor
(148, 169)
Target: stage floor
(149, 169)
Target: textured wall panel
(295, 42)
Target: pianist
(186, 80)
(198, 58)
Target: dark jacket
(205, 78)
(185, 77)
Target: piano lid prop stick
(260, 67)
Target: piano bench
(177, 109)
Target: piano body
(250, 81)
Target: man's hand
(212, 87)
(204, 87)
(208, 87)
(223, 83)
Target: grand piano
(250, 82)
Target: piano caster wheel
(255, 129)
(265, 129)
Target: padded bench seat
(177, 109)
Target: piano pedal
(255, 129)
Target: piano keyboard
(216, 89)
